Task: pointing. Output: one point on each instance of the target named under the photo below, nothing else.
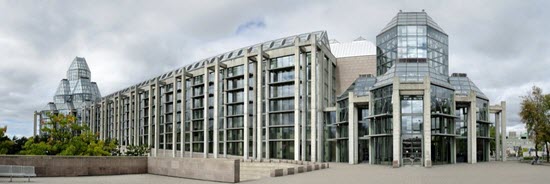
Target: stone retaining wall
(48, 166)
(221, 170)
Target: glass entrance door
(412, 150)
(412, 119)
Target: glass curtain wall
(342, 130)
(443, 124)
(363, 133)
(461, 129)
(235, 111)
(330, 136)
(197, 115)
(412, 119)
(281, 107)
(483, 124)
(382, 126)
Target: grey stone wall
(221, 170)
(77, 165)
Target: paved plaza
(493, 172)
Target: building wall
(48, 166)
(280, 105)
(220, 170)
(349, 68)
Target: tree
(535, 114)
(5, 143)
(62, 135)
(140, 150)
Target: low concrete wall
(221, 170)
(78, 165)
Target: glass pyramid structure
(76, 91)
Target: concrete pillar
(259, 103)
(191, 122)
(174, 114)
(427, 137)
(267, 109)
(206, 107)
(157, 116)
(183, 107)
(297, 119)
(396, 98)
(118, 119)
(225, 114)
(352, 130)
(101, 120)
(497, 136)
(137, 100)
(253, 113)
(503, 130)
(150, 118)
(34, 124)
(246, 142)
(304, 120)
(216, 108)
(472, 130)
(314, 97)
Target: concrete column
(137, 100)
(101, 120)
(297, 121)
(304, 120)
(174, 114)
(183, 111)
(497, 136)
(259, 104)
(216, 108)
(245, 109)
(157, 116)
(503, 130)
(206, 107)
(267, 109)
(92, 118)
(191, 122)
(224, 89)
(34, 124)
(396, 98)
(314, 97)
(427, 137)
(150, 119)
(352, 131)
(118, 121)
(253, 113)
(472, 130)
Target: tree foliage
(5, 142)
(62, 135)
(140, 150)
(535, 114)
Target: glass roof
(76, 90)
(360, 87)
(462, 85)
(412, 18)
(321, 36)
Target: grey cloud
(502, 45)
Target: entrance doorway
(412, 119)
(363, 150)
(412, 150)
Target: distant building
(72, 95)
(514, 143)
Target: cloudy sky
(503, 45)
